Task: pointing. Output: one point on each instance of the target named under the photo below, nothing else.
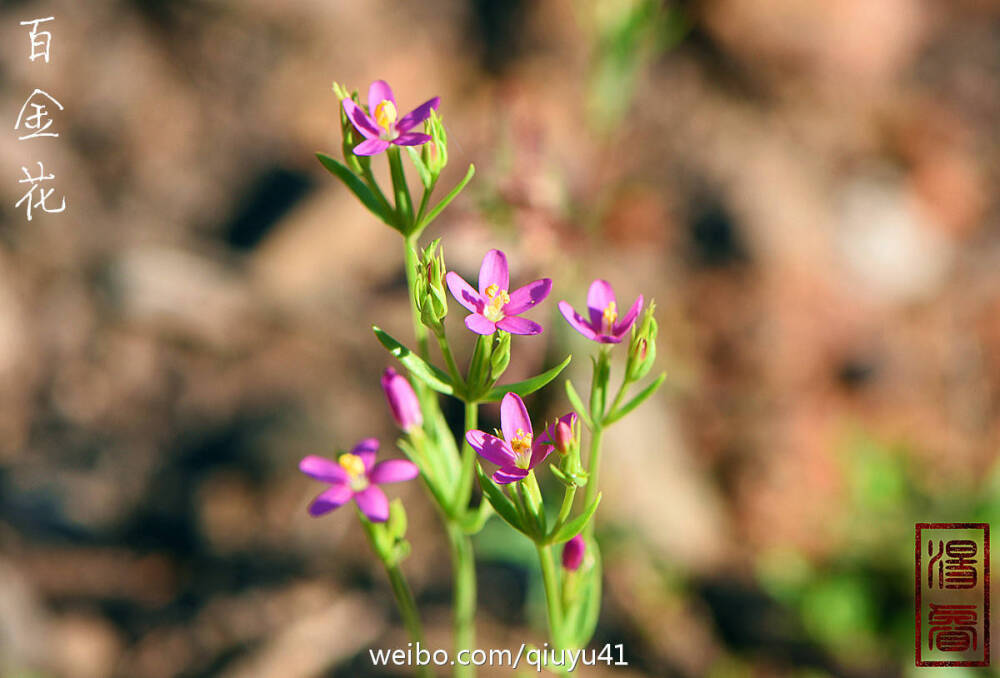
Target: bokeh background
(806, 188)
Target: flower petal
(516, 325)
(323, 469)
(377, 93)
(513, 416)
(371, 147)
(480, 325)
(366, 449)
(528, 296)
(623, 325)
(576, 321)
(393, 471)
(412, 139)
(418, 115)
(509, 475)
(607, 339)
(491, 448)
(373, 503)
(494, 271)
(337, 495)
(463, 292)
(598, 298)
(361, 122)
(539, 452)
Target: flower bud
(435, 152)
(564, 438)
(501, 355)
(572, 554)
(642, 347)
(402, 400)
(429, 291)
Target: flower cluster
(448, 466)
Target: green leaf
(523, 388)
(501, 502)
(575, 526)
(474, 520)
(581, 618)
(359, 189)
(436, 210)
(574, 400)
(434, 377)
(425, 174)
(636, 401)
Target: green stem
(369, 177)
(423, 202)
(449, 359)
(419, 330)
(619, 396)
(464, 492)
(464, 595)
(400, 590)
(404, 203)
(550, 578)
(594, 468)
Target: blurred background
(806, 188)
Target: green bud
(501, 355)
(396, 525)
(642, 346)
(429, 292)
(435, 152)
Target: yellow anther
(496, 299)
(610, 317)
(521, 445)
(385, 114)
(351, 463)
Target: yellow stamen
(351, 463)
(385, 114)
(521, 445)
(610, 317)
(496, 299)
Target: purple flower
(517, 452)
(572, 554)
(356, 475)
(492, 307)
(603, 326)
(402, 400)
(380, 126)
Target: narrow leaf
(425, 175)
(436, 210)
(474, 520)
(574, 400)
(359, 189)
(434, 377)
(500, 502)
(575, 526)
(636, 401)
(523, 388)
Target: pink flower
(492, 306)
(380, 126)
(603, 325)
(355, 475)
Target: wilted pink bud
(402, 400)
(572, 554)
(564, 437)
